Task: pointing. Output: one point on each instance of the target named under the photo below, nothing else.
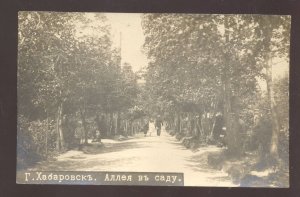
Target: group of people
(153, 126)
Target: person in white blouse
(151, 127)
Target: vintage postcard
(153, 99)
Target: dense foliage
(70, 83)
(202, 65)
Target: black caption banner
(100, 178)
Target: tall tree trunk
(126, 127)
(46, 134)
(230, 118)
(213, 127)
(199, 127)
(189, 132)
(82, 115)
(60, 137)
(132, 127)
(213, 120)
(274, 113)
(117, 127)
(111, 122)
(107, 124)
(178, 123)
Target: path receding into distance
(144, 154)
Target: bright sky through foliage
(128, 25)
(126, 31)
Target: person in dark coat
(158, 124)
(146, 128)
(218, 128)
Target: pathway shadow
(86, 160)
(179, 146)
(76, 165)
(199, 163)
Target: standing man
(218, 132)
(146, 127)
(158, 124)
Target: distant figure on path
(146, 128)
(218, 132)
(151, 127)
(158, 124)
(97, 137)
(79, 134)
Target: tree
(43, 65)
(61, 70)
(273, 36)
(202, 59)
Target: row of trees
(70, 83)
(204, 64)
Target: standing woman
(151, 127)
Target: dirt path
(144, 154)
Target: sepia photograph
(153, 99)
